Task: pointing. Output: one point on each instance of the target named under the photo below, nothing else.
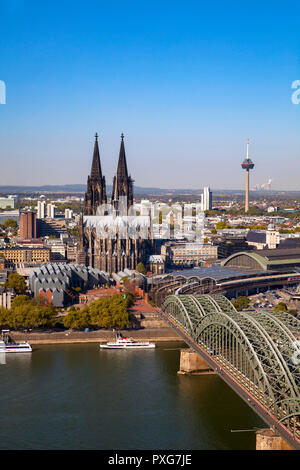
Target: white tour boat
(124, 343)
(7, 345)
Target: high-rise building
(51, 211)
(28, 225)
(41, 209)
(68, 214)
(206, 199)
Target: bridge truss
(255, 352)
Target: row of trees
(27, 313)
(104, 313)
(222, 225)
(31, 313)
(255, 211)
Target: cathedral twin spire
(96, 187)
(122, 183)
(96, 166)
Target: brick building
(28, 225)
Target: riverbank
(98, 336)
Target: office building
(28, 225)
(50, 211)
(188, 254)
(68, 214)
(41, 210)
(206, 199)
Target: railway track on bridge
(247, 375)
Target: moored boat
(7, 345)
(127, 343)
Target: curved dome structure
(279, 259)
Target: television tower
(247, 165)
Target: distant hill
(81, 188)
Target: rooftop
(216, 272)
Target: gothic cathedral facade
(110, 234)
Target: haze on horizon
(187, 83)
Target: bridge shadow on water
(213, 409)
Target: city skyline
(186, 84)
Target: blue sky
(186, 81)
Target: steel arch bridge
(256, 353)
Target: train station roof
(215, 272)
(267, 260)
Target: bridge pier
(267, 439)
(192, 363)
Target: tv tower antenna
(247, 165)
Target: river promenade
(146, 326)
(97, 336)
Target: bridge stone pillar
(192, 363)
(267, 439)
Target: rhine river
(78, 397)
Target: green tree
(4, 317)
(293, 312)
(129, 299)
(281, 307)
(241, 302)
(77, 319)
(17, 282)
(110, 312)
(73, 231)
(28, 313)
(141, 269)
(221, 225)
(20, 300)
(10, 223)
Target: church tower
(122, 183)
(119, 250)
(96, 189)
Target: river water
(78, 397)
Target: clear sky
(186, 81)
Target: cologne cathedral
(111, 236)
